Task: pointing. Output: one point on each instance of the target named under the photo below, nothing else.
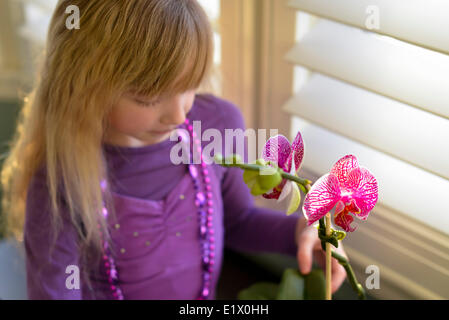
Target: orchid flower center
(347, 204)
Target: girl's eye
(147, 104)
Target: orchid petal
(342, 167)
(366, 194)
(321, 198)
(285, 191)
(344, 221)
(297, 152)
(353, 207)
(295, 199)
(277, 149)
(339, 207)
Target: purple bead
(203, 230)
(205, 260)
(198, 204)
(206, 276)
(193, 171)
(200, 197)
(203, 213)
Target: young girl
(104, 212)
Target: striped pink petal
(321, 198)
(297, 153)
(341, 169)
(277, 150)
(366, 193)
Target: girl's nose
(174, 113)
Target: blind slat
(422, 22)
(402, 186)
(407, 133)
(404, 72)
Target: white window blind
(212, 8)
(37, 20)
(381, 94)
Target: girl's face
(137, 121)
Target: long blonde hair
(139, 45)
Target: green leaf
(315, 285)
(292, 286)
(260, 291)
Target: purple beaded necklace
(204, 204)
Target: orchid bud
(261, 183)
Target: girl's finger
(304, 254)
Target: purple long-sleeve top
(156, 233)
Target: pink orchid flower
(352, 188)
(278, 151)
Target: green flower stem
(356, 286)
(256, 167)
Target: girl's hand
(309, 248)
